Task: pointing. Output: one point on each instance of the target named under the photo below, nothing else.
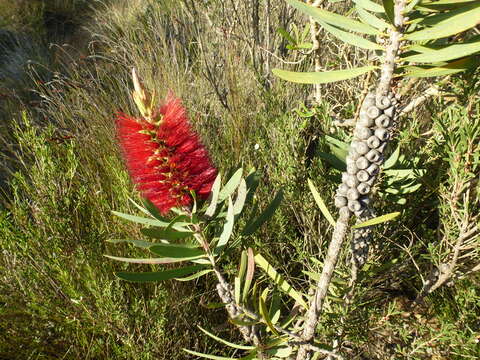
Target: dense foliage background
(65, 70)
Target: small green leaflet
(249, 275)
(215, 357)
(377, 220)
(333, 19)
(241, 197)
(138, 243)
(451, 23)
(162, 260)
(446, 53)
(264, 312)
(388, 5)
(321, 77)
(140, 220)
(195, 276)
(350, 38)
(392, 160)
(214, 197)
(225, 342)
(320, 203)
(177, 250)
(158, 275)
(279, 280)
(369, 5)
(166, 234)
(370, 19)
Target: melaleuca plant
(408, 40)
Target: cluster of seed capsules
(366, 153)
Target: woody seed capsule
(344, 211)
(373, 112)
(351, 181)
(363, 133)
(365, 120)
(354, 205)
(382, 102)
(382, 121)
(340, 201)
(382, 147)
(373, 155)
(353, 194)
(342, 189)
(382, 134)
(373, 169)
(363, 175)
(361, 147)
(352, 168)
(363, 188)
(390, 111)
(362, 163)
(373, 142)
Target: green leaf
(446, 53)
(228, 227)
(194, 276)
(158, 275)
(411, 6)
(321, 77)
(214, 196)
(237, 289)
(333, 160)
(284, 33)
(377, 220)
(350, 38)
(249, 275)
(241, 197)
(252, 180)
(279, 280)
(264, 312)
(231, 185)
(447, 69)
(280, 352)
(338, 143)
(252, 226)
(451, 23)
(138, 243)
(153, 210)
(140, 220)
(320, 203)
(370, 19)
(333, 19)
(177, 250)
(369, 5)
(392, 160)
(388, 5)
(215, 357)
(243, 265)
(166, 234)
(162, 260)
(225, 342)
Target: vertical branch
(348, 197)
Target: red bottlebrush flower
(165, 158)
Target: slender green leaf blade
(321, 77)
(214, 196)
(350, 38)
(241, 197)
(243, 265)
(237, 289)
(138, 243)
(177, 250)
(158, 275)
(370, 19)
(264, 312)
(225, 342)
(279, 280)
(446, 69)
(377, 220)
(369, 5)
(215, 357)
(446, 53)
(166, 234)
(228, 227)
(249, 275)
(320, 203)
(452, 23)
(231, 185)
(195, 276)
(392, 160)
(388, 5)
(148, 260)
(333, 19)
(140, 220)
(251, 227)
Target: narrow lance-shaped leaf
(243, 265)
(153, 261)
(252, 226)
(166, 234)
(176, 250)
(241, 197)
(370, 19)
(320, 203)
(138, 243)
(158, 275)
(195, 276)
(321, 77)
(264, 312)
(225, 342)
(214, 196)
(140, 220)
(454, 22)
(442, 70)
(388, 5)
(446, 53)
(215, 357)
(333, 19)
(377, 220)
(231, 185)
(228, 227)
(279, 280)
(369, 5)
(350, 38)
(237, 289)
(392, 160)
(249, 275)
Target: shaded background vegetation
(65, 71)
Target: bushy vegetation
(65, 71)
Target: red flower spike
(166, 160)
